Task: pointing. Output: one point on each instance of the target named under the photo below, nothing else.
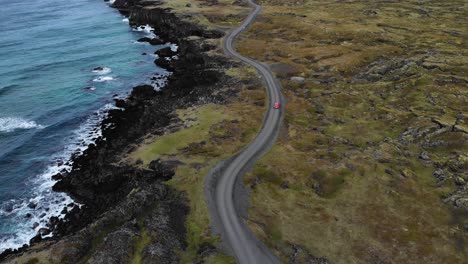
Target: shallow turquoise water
(48, 49)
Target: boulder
(165, 52)
(162, 169)
(164, 63)
(298, 79)
(143, 92)
(152, 41)
(43, 231)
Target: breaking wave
(9, 124)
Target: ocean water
(51, 99)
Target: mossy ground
(345, 180)
(213, 133)
(219, 14)
(209, 133)
(383, 84)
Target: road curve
(234, 232)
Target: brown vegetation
(371, 164)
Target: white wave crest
(9, 124)
(103, 79)
(147, 29)
(174, 47)
(144, 28)
(160, 80)
(125, 20)
(44, 203)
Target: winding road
(224, 208)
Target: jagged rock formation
(128, 212)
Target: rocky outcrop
(165, 52)
(120, 203)
(143, 112)
(170, 27)
(152, 41)
(297, 254)
(391, 70)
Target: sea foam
(174, 47)
(9, 124)
(103, 79)
(147, 29)
(45, 203)
(102, 70)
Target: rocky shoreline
(121, 202)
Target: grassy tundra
(372, 160)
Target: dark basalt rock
(119, 103)
(163, 169)
(165, 52)
(206, 249)
(164, 63)
(53, 221)
(110, 191)
(169, 26)
(208, 47)
(212, 34)
(143, 92)
(152, 41)
(124, 5)
(43, 231)
(36, 239)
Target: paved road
(234, 232)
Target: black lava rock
(165, 52)
(152, 41)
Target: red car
(276, 105)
